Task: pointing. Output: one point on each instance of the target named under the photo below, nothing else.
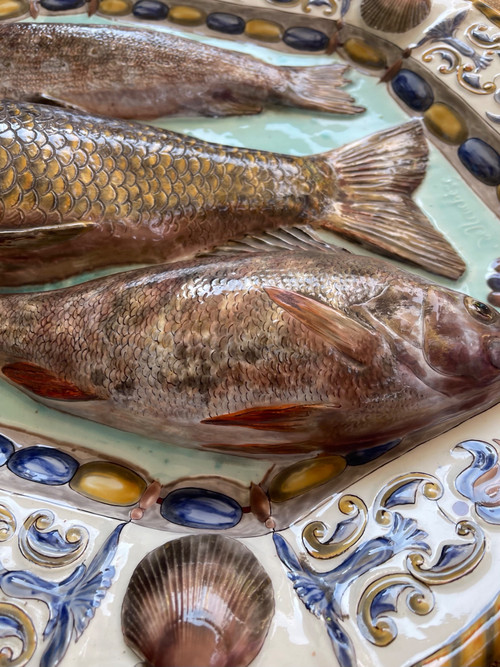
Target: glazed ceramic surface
(382, 560)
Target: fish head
(461, 336)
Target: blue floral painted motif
(52, 542)
(451, 554)
(480, 482)
(16, 628)
(71, 602)
(51, 548)
(404, 495)
(11, 627)
(444, 32)
(322, 592)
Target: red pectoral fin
(295, 417)
(347, 334)
(43, 383)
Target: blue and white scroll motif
(322, 592)
(469, 57)
(445, 32)
(51, 548)
(480, 482)
(407, 583)
(16, 628)
(72, 602)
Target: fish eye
(479, 310)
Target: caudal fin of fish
(317, 88)
(375, 178)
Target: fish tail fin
(317, 88)
(375, 178)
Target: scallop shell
(394, 15)
(198, 601)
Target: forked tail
(317, 88)
(375, 179)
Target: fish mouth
(493, 348)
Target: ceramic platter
(388, 562)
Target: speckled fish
(258, 353)
(79, 193)
(129, 72)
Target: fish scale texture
(133, 72)
(56, 165)
(179, 345)
(79, 192)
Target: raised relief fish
(129, 72)
(258, 353)
(79, 193)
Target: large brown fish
(270, 352)
(78, 193)
(129, 72)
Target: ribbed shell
(198, 601)
(394, 15)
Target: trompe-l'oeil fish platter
(199, 513)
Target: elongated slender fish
(78, 193)
(260, 353)
(128, 72)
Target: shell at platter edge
(394, 15)
(198, 601)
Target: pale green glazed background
(445, 197)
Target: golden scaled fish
(129, 72)
(79, 193)
(258, 353)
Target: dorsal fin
(289, 238)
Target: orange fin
(336, 328)
(43, 383)
(293, 417)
